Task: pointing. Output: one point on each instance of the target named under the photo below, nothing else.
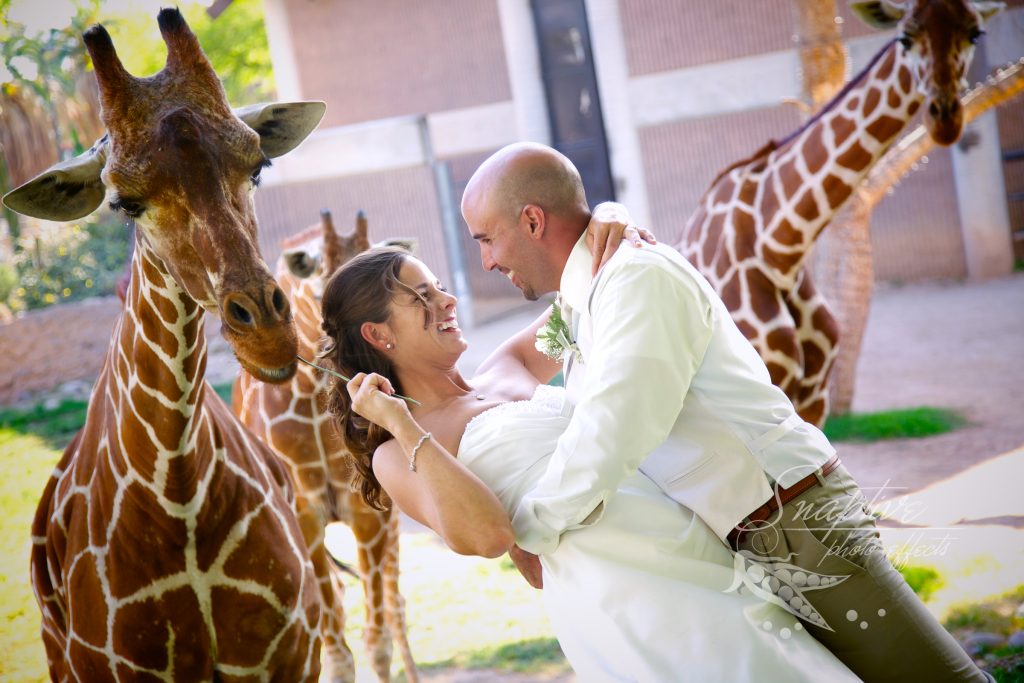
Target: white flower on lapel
(555, 338)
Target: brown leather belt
(781, 497)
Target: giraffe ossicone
(165, 544)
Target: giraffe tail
(343, 566)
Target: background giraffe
(165, 544)
(292, 418)
(752, 231)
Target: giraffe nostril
(239, 313)
(933, 109)
(954, 106)
(279, 301)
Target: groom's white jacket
(667, 384)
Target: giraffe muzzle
(945, 120)
(261, 331)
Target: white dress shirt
(668, 385)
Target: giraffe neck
(815, 171)
(305, 306)
(157, 367)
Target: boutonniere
(555, 338)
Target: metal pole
(450, 225)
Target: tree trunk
(13, 226)
(822, 53)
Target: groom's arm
(605, 233)
(651, 329)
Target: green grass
(1008, 668)
(996, 615)
(525, 656)
(462, 612)
(910, 423)
(922, 580)
(55, 426)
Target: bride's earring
(389, 346)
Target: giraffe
(753, 228)
(292, 418)
(165, 545)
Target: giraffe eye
(254, 177)
(130, 208)
(906, 41)
(975, 35)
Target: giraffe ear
(881, 14)
(301, 263)
(65, 191)
(408, 243)
(987, 8)
(282, 126)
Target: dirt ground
(948, 345)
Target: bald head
(526, 208)
(529, 173)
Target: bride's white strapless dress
(643, 593)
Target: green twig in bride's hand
(349, 379)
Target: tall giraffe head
(318, 251)
(183, 165)
(938, 37)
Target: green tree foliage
(86, 258)
(235, 43)
(48, 64)
(70, 262)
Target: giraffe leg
(369, 527)
(817, 333)
(394, 602)
(339, 666)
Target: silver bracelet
(412, 458)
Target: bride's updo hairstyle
(360, 292)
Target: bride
(642, 594)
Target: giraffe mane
(773, 145)
(300, 238)
(852, 83)
(764, 151)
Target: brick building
(650, 97)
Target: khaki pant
(875, 623)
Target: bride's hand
(371, 398)
(609, 225)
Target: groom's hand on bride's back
(528, 565)
(609, 225)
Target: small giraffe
(755, 225)
(165, 545)
(292, 419)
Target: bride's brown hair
(360, 292)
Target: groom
(662, 380)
